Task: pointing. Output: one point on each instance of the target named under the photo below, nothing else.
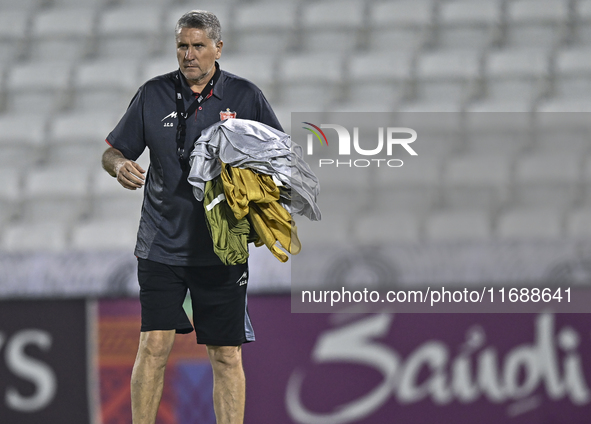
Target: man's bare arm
(128, 173)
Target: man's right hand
(130, 174)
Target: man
(174, 249)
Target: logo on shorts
(227, 114)
(243, 279)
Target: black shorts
(218, 295)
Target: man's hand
(130, 174)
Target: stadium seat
(397, 39)
(112, 74)
(400, 25)
(302, 86)
(19, 129)
(13, 24)
(378, 79)
(105, 235)
(333, 14)
(468, 24)
(61, 34)
(332, 25)
(82, 127)
(410, 13)
(269, 24)
(413, 187)
(477, 181)
(459, 225)
(60, 181)
(586, 181)
(47, 94)
(105, 85)
(558, 134)
(529, 224)
(573, 73)
(561, 104)
(84, 154)
(447, 75)
(258, 68)
(29, 237)
(160, 65)
(129, 31)
(25, 5)
(10, 188)
(505, 134)
(387, 226)
(535, 23)
(60, 22)
(334, 229)
(8, 53)
(516, 74)
(578, 223)
(56, 193)
(582, 13)
(79, 3)
(548, 180)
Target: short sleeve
(128, 135)
(265, 113)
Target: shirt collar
(218, 88)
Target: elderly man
(174, 248)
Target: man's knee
(156, 344)
(225, 357)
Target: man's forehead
(198, 33)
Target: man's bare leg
(147, 378)
(228, 383)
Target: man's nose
(189, 54)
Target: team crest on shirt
(227, 114)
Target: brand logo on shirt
(227, 114)
(344, 145)
(243, 279)
(171, 115)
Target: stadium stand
(490, 183)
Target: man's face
(196, 54)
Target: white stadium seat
(109, 234)
(333, 14)
(10, 188)
(548, 180)
(540, 23)
(107, 74)
(66, 21)
(470, 24)
(477, 181)
(459, 225)
(529, 224)
(82, 127)
(13, 24)
(411, 13)
(27, 237)
(19, 129)
(60, 181)
(129, 31)
(578, 223)
(387, 227)
(517, 63)
(258, 68)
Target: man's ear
(219, 46)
